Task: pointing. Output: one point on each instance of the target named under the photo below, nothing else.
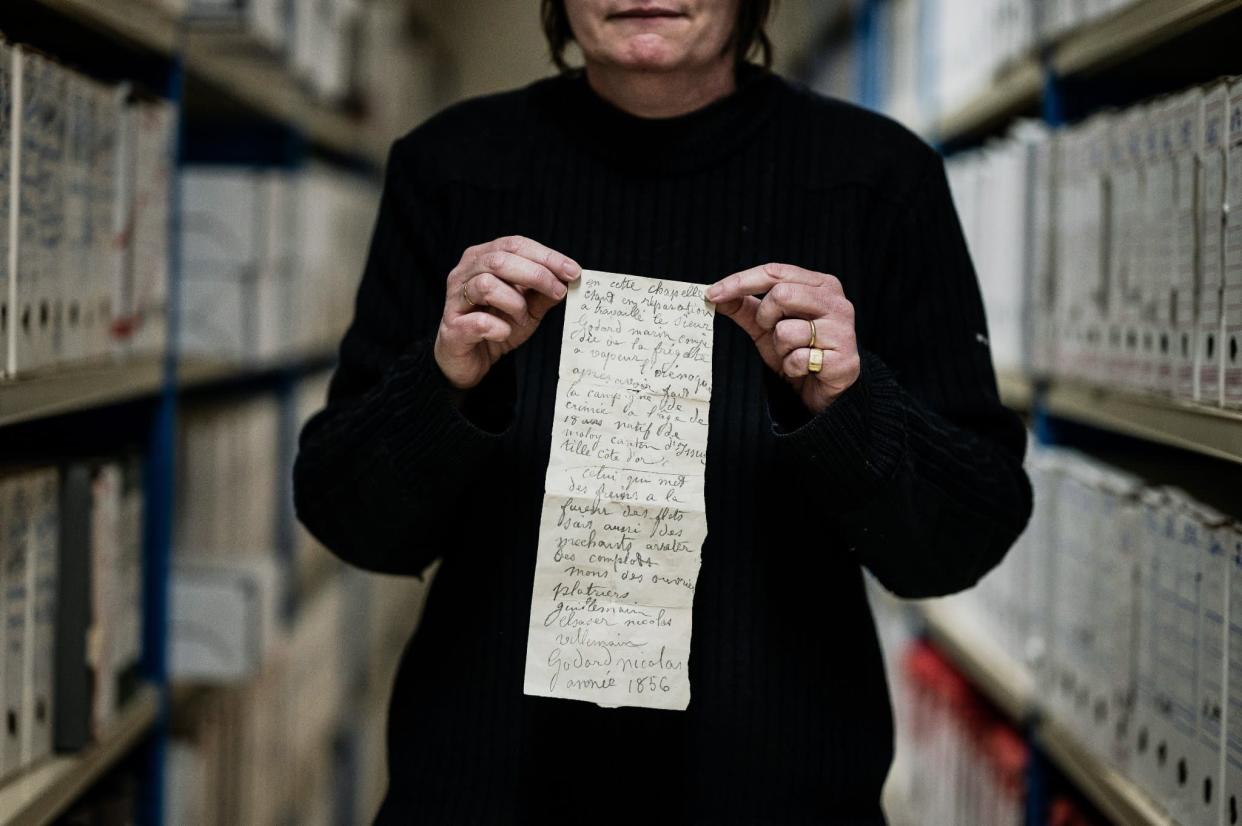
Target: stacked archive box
(1117, 255)
(271, 258)
(287, 684)
(71, 600)
(1124, 603)
(85, 170)
(940, 55)
(983, 760)
(316, 37)
(262, 751)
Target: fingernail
(560, 292)
(713, 293)
(572, 270)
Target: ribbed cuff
(785, 408)
(857, 442)
(426, 435)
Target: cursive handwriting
(623, 520)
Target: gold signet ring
(815, 362)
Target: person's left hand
(781, 323)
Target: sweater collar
(661, 145)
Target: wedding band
(466, 295)
(815, 362)
(812, 323)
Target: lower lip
(642, 18)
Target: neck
(649, 94)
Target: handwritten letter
(623, 522)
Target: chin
(651, 53)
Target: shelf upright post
(286, 519)
(867, 48)
(1053, 110)
(1047, 432)
(159, 476)
(294, 152)
(1036, 777)
(1054, 94)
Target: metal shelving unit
(1092, 48)
(1006, 683)
(1113, 794)
(1016, 89)
(1209, 431)
(231, 62)
(42, 794)
(1205, 430)
(1131, 31)
(196, 373)
(85, 387)
(249, 73)
(142, 24)
(78, 388)
(1016, 390)
(232, 74)
(1010, 687)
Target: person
(670, 154)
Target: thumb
(743, 312)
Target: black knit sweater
(914, 472)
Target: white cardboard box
(1205, 798)
(155, 126)
(1179, 655)
(1211, 245)
(1162, 212)
(1232, 796)
(1151, 738)
(1187, 145)
(1128, 245)
(8, 282)
(108, 249)
(224, 617)
(1231, 350)
(16, 593)
(43, 486)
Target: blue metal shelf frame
(287, 145)
(870, 42)
(870, 45)
(159, 479)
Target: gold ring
(815, 362)
(812, 323)
(466, 295)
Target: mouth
(646, 13)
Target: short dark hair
(750, 34)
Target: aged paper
(623, 523)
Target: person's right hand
(494, 299)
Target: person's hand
(494, 300)
(797, 302)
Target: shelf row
(83, 388)
(1211, 432)
(1205, 430)
(1010, 688)
(232, 62)
(1095, 46)
(44, 793)
(247, 72)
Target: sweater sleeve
(380, 471)
(919, 460)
